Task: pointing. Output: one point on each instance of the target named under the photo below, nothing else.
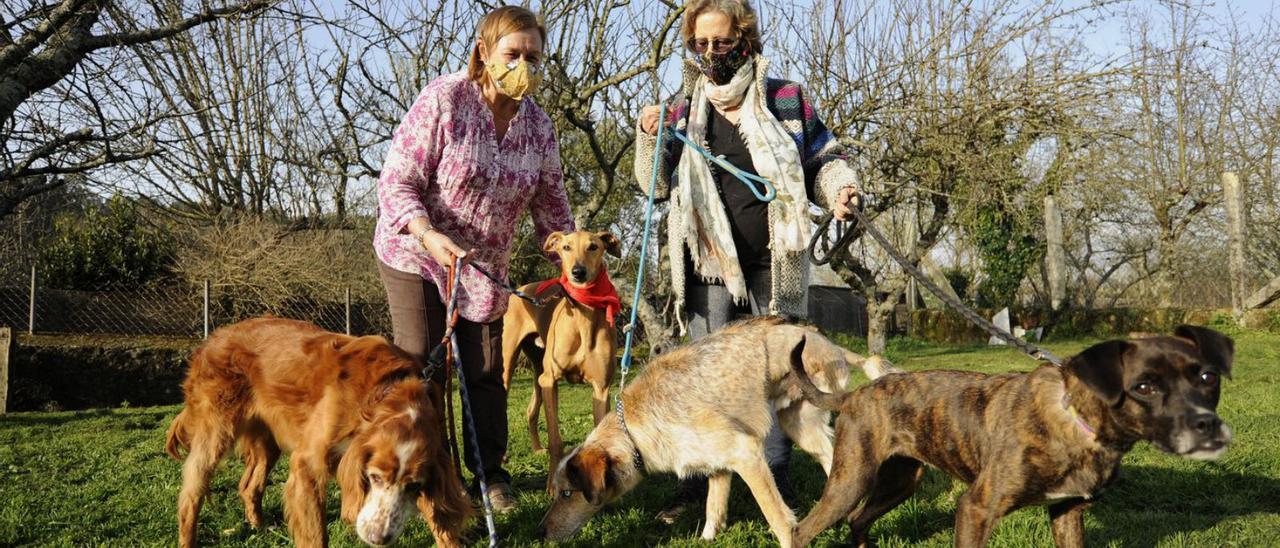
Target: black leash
(533, 300)
(864, 223)
(844, 237)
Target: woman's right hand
(649, 117)
(442, 249)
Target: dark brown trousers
(418, 320)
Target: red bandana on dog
(597, 294)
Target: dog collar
(635, 449)
(1089, 432)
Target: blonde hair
(496, 24)
(740, 14)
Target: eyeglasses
(718, 45)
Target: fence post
(348, 310)
(6, 342)
(206, 309)
(1234, 195)
(31, 304)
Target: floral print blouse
(446, 164)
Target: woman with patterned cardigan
(730, 252)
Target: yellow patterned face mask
(515, 79)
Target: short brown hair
(496, 24)
(740, 13)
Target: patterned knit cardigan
(823, 159)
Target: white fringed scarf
(703, 224)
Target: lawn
(100, 478)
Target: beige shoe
(501, 498)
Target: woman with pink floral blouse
(471, 155)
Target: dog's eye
(1144, 389)
(593, 247)
(375, 479)
(566, 494)
(1209, 378)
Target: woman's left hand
(846, 200)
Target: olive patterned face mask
(720, 67)
(515, 79)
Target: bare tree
(1173, 153)
(941, 105)
(61, 111)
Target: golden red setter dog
(357, 408)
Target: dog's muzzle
(579, 273)
(1203, 437)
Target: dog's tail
(176, 439)
(874, 367)
(830, 402)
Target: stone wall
(947, 326)
(49, 372)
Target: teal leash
(753, 182)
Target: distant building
(833, 305)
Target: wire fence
(193, 310)
(175, 310)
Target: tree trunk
(878, 316)
(656, 332)
(1166, 278)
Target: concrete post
(1233, 194)
(1055, 256)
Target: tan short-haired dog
(564, 338)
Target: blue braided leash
(644, 257)
(468, 421)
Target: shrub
(109, 247)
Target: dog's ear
(351, 480)
(612, 245)
(552, 241)
(443, 502)
(590, 471)
(1214, 347)
(1101, 368)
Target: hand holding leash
(846, 201)
(649, 117)
(442, 249)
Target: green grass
(100, 478)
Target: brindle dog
(1053, 436)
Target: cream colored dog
(705, 408)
